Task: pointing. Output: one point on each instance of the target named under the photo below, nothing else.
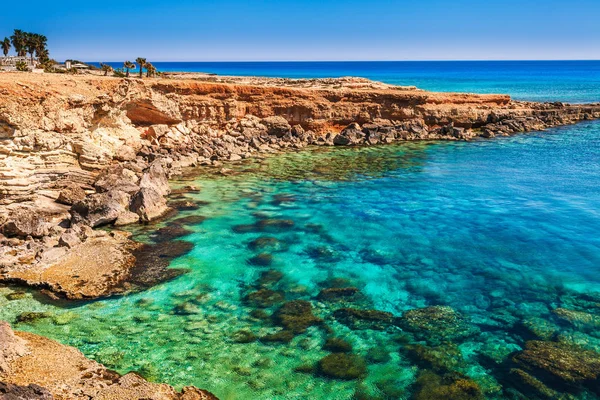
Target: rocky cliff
(78, 152)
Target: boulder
(71, 194)
(117, 178)
(155, 177)
(148, 204)
(26, 222)
(125, 153)
(9, 391)
(69, 239)
(100, 208)
(351, 135)
(276, 126)
(12, 347)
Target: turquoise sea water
(502, 231)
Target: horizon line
(343, 61)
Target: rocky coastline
(82, 152)
(85, 152)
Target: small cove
(503, 231)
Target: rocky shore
(29, 370)
(83, 152)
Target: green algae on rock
(343, 366)
(437, 324)
(296, 316)
(452, 386)
(264, 298)
(364, 319)
(561, 364)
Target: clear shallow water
(504, 231)
(568, 81)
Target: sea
(426, 270)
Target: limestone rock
(277, 126)
(11, 347)
(26, 222)
(125, 153)
(71, 194)
(155, 178)
(148, 204)
(101, 208)
(117, 178)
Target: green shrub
(22, 66)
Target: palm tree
(141, 62)
(31, 40)
(150, 70)
(128, 65)
(5, 46)
(106, 68)
(39, 45)
(19, 42)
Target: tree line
(128, 66)
(25, 43)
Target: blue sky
(238, 30)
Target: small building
(11, 61)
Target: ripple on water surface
(432, 270)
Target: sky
(283, 30)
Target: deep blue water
(504, 232)
(569, 81)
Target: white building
(11, 61)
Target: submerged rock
(437, 324)
(343, 366)
(560, 364)
(338, 294)
(444, 358)
(184, 205)
(31, 317)
(261, 260)
(337, 345)
(578, 318)
(453, 386)
(274, 225)
(296, 316)
(264, 298)
(529, 385)
(269, 278)
(244, 336)
(283, 336)
(265, 243)
(364, 319)
(169, 233)
(16, 296)
(323, 253)
(190, 220)
(378, 355)
(152, 262)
